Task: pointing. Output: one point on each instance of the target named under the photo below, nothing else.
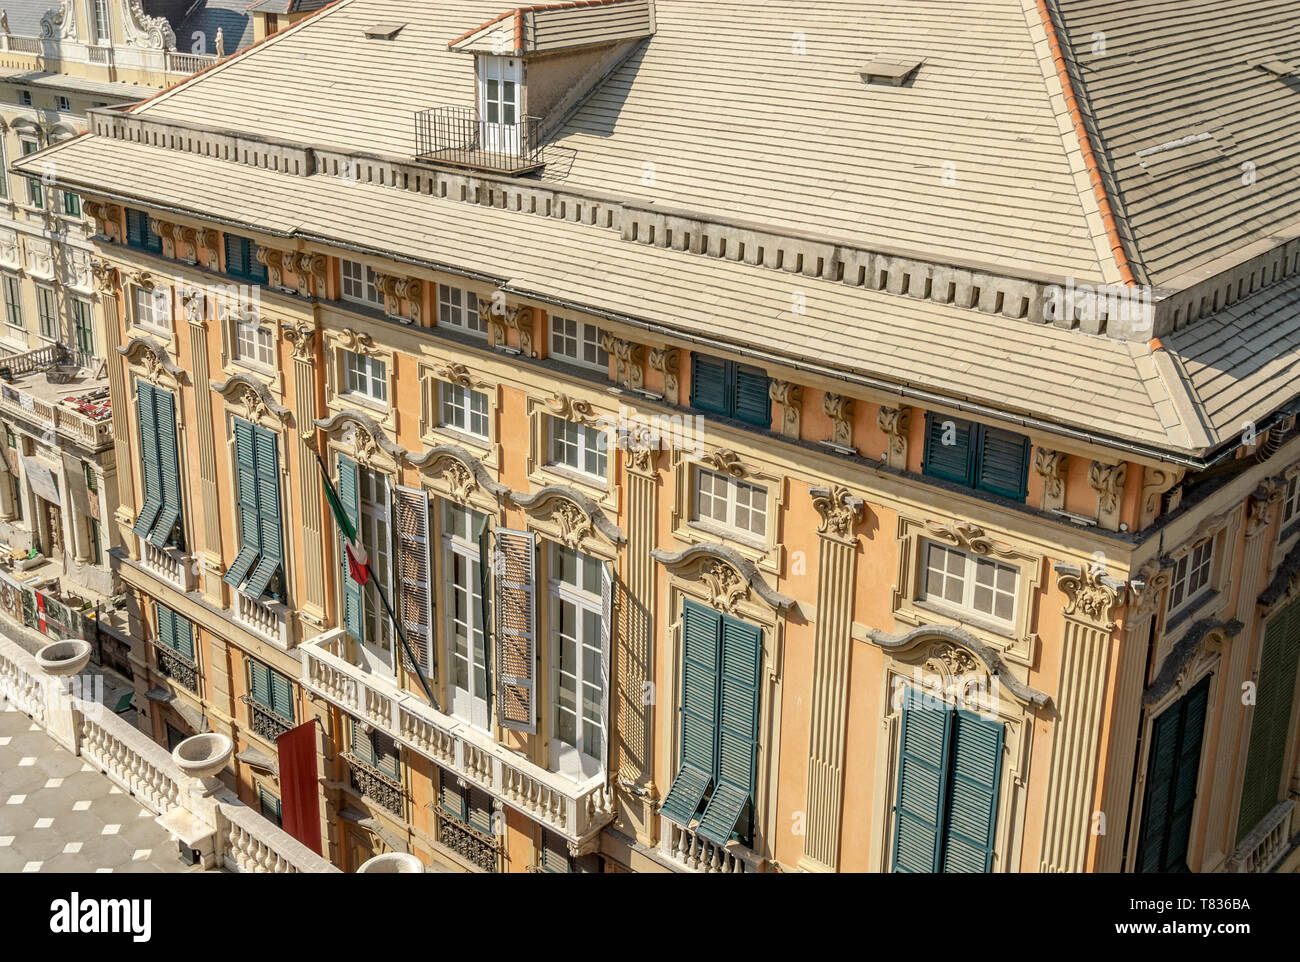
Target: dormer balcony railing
(455, 136)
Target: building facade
(723, 536)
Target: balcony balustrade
(456, 137)
(140, 58)
(686, 851)
(263, 620)
(265, 722)
(177, 667)
(376, 786)
(1268, 842)
(478, 848)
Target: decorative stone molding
(839, 408)
(253, 398)
(142, 30)
(640, 450)
(210, 241)
(896, 423)
(568, 409)
(1259, 506)
(727, 578)
(1145, 589)
(458, 374)
(372, 446)
(274, 261)
(1052, 466)
(165, 230)
(308, 267)
(963, 534)
(790, 396)
(840, 511)
(724, 461)
(1186, 660)
(458, 472)
(411, 290)
(565, 514)
(60, 23)
(667, 361)
(1091, 596)
(629, 360)
(1108, 481)
(500, 317)
(301, 337)
(1155, 482)
(357, 343)
(159, 368)
(186, 243)
(105, 275)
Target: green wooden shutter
(362, 746)
(515, 577)
(350, 497)
(384, 753)
(267, 468)
(235, 255)
(246, 481)
(259, 683)
(606, 653)
(169, 470)
(270, 806)
(1271, 721)
(753, 403)
(1003, 463)
(282, 696)
(701, 630)
(1173, 765)
(184, 635)
(709, 385)
(478, 810)
(166, 626)
(951, 462)
(135, 228)
(736, 767)
(554, 856)
(484, 538)
(972, 793)
(923, 754)
(145, 422)
(451, 796)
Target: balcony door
(499, 90)
(376, 534)
(462, 572)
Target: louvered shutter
(184, 636)
(282, 696)
(1270, 722)
(554, 853)
(1173, 764)
(135, 228)
(169, 469)
(350, 498)
(951, 462)
(515, 577)
(483, 537)
(270, 805)
(478, 810)
(451, 796)
(259, 683)
(1003, 463)
(149, 458)
(606, 653)
(736, 767)
(267, 466)
(166, 626)
(700, 647)
(972, 793)
(753, 403)
(412, 510)
(923, 753)
(256, 269)
(362, 746)
(235, 255)
(246, 481)
(709, 385)
(384, 752)
(1183, 804)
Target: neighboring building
(757, 488)
(58, 477)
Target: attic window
(384, 31)
(889, 70)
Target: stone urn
(63, 658)
(203, 756)
(391, 862)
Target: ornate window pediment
(152, 358)
(370, 445)
(730, 582)
(568, 516)
(453, 472)
(1188, 661)
(252, 400)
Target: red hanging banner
(299, 792)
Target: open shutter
(1270, 722)
(184, 636)
(917, 810)
(1004, 463)
(709, 385)
(250, 536)
(362, 745)
(516, 572)
(135, 228)
(282, 696)
(606, 653)
(166, 626)
(259, 683)
(267, 466)
(1193, 708)
(350, 498)
(972, 793)
(235, 260)
(753, 400)
(736, 768)
(1173, 765)
(169, 469)
(952, 462)
(412, 510)
(483, 537)
(145, 424)
(700, 645)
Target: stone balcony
(683, 850)
(112, 58)
(1268, 843)
(56, 398)
(576, 810)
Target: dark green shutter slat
(951, 462)
(149, 458)
(700, 641)
(282, 696)
(1270, 721)
(169, 468)
(270, 805)
(1004, 463)
(259, 682)
(478, 810)
(166, 626)
(1183, 805)
(709, 382)
(349, 497)
(753, 401)
(727, 805)
(972, 794)
(386, 761)
(736, 768)
(268, 512)
(685, 794)
(485, 610)
(234, 255)
(452, 797)
(246, 482)
(1173, 766)
(134, 229)
(184, 635)
(555, 853)
(918, 810)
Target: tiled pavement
(59, 814)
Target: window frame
(47, 311)
(587, 443)
(147, 235)
(457, 315)
(1184, 569)
(584, 600)
(732, 487)
(370, 295)
(83, 326)
(13, 298)
(583, 334)
(359, 377)
(731, 375)
(970, 584)
(977, 436)
(149, 319)
(460, 398)
(260, 347)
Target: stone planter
(203, 756)
(63, 658)
(392, 862)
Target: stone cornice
(723, 594)
(594, 515)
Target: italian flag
(358, 560)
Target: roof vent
(894, 71)
(384, 31)
(1279, 68)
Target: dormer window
(500, 85)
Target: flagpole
(392, 617)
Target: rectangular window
(1173, 769)
(731, 390)
(71, 203)
(1191, 575)
(358, 283)
(1291, 504)
(153, 308)
(96, 543)
(459, 308)
(717, 772)
(976, 456)
(175, 632)
(241, 259)
(949, 770)
(1267, 773)
(580, 599)
(553, 857)
(376, 749)
(731, 503)
(25, 98)
(271, 690)
(13, 301)
(463, 409)
(35, 189)
(83, 327)
(580, 447)
(269, 806)
(959, 579)
(254, 344)
(258, 567)
(46, 311)
(159, 521)
(140, 232)
(63, 104)
(467, 805)
(364, 375)
(465, 569)
(578, 342)
(99, 10)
